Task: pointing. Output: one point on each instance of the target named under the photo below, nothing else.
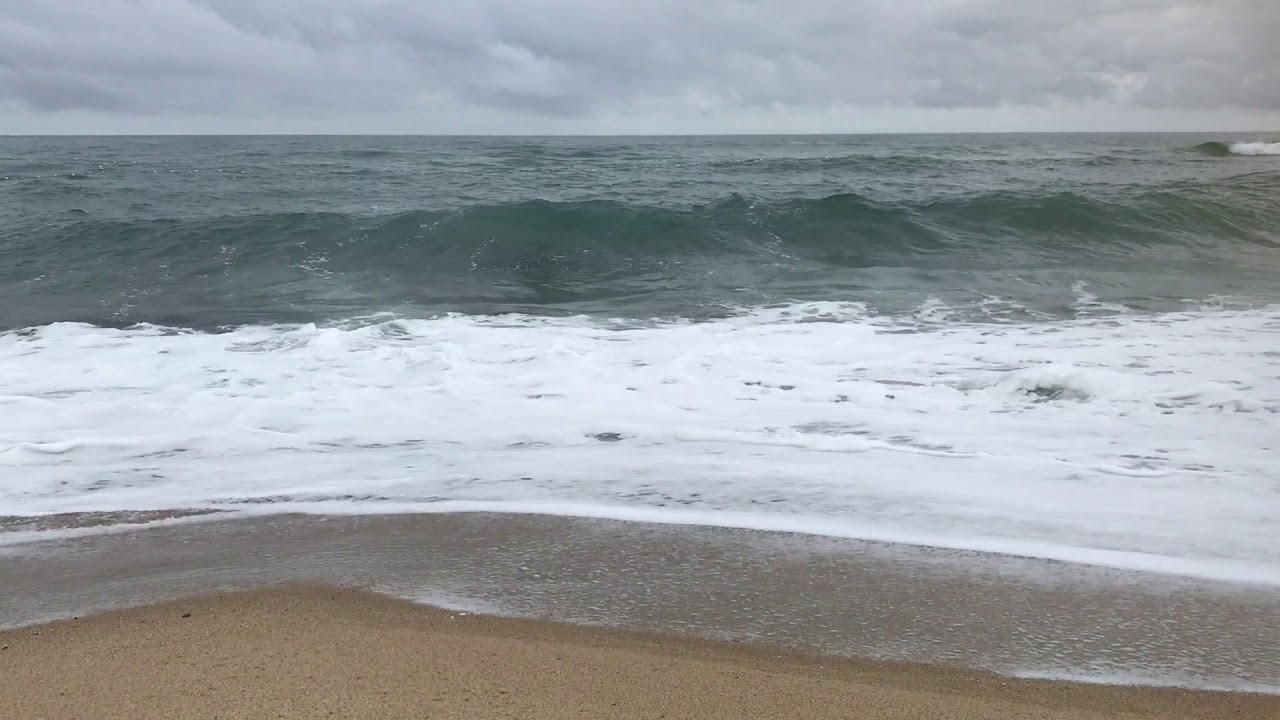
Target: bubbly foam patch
(1139, 441)
(1255, 148)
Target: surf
(993, 437)
(1223, 149)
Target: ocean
(1048, 346)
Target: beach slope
(314, 652)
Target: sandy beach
(489, 615)
(818, 596)
(309, 652)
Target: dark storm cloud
(576, 58)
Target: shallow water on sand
(820, 595)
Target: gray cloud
(579, 60)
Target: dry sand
(319, 652)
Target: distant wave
(1221, 149)
(881, 163)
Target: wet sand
(310, 652)
(73, 520)
(768, 597)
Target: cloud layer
(657, 65)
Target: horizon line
(640, 135)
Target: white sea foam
(1255, 148)
(1135, 679)
(1143, 442)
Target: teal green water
(227, 232)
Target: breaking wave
(1221, 149)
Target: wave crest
(1221, 149)
(1255, 148)
(595, 256)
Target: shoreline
(818, 596)
(53, 527)
(310, 651)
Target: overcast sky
(637, 66)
